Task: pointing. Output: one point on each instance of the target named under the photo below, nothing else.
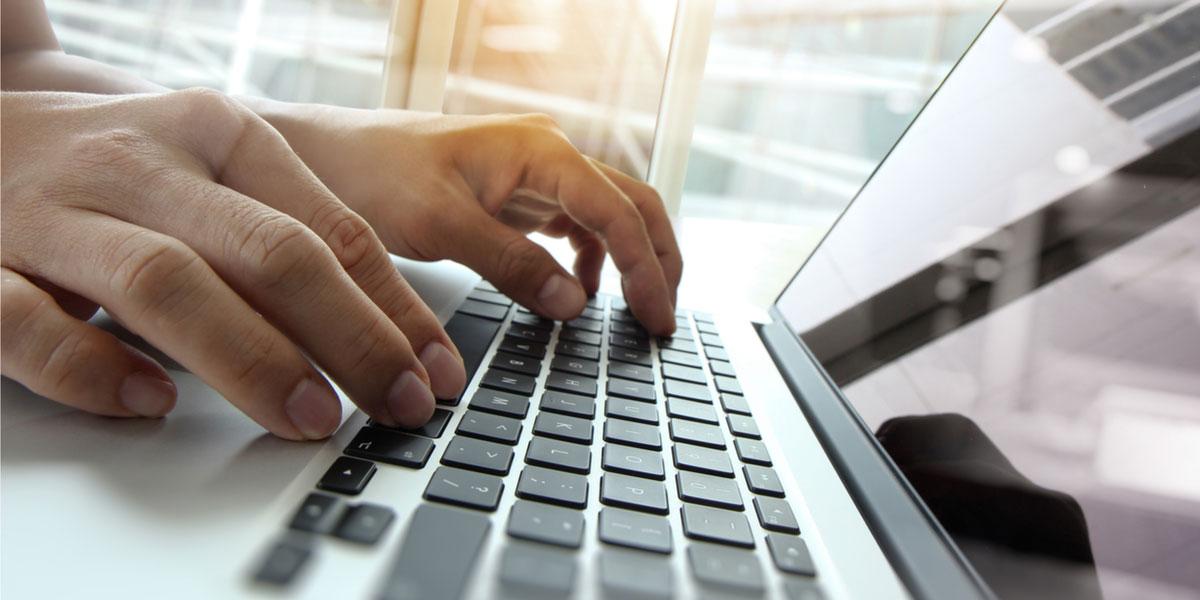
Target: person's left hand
(470, 188)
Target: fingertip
(146, 395)
(410, 401)
(447, 375)
(561, 298)
(313, 409)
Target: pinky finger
(73, 362)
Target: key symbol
(482, 489)
(365, 446)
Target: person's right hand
(191, 221)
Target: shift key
(436, 555)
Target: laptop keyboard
(596, 399)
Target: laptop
(587, 460)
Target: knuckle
(541, 120)
(154, 273)
(204, 106)
(514, 259)
(112, 149)
(351, 239)
(73, 353)
(280, 251)
(255, 353)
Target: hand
(469, 188)
(191, 221)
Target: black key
(625, 574)
(554, 487)
(633, 434)
(472, 336)
(576, 366)
(528, 333)
(555, 454)
(720, 367)
(714, 353)
(709, 490)
(630, 371)
(533, 320)
(763, 480)
(562, 427)
(547, 524)
(691, 391)
(319, 513)
(478, 455)
(569, 404)
(584, 324)
(432, 428)
(791, 554)
(631, 342)
(752, 451)
(677, 344)
(706, 327)
(682, 373)
(490, 296)
(683, 331)
(635, 390)
(364, 523)
(486, 285)
(546, 572)
(522, 347)
(501, 403)
(486, 310)
(682, 322)
(595, 312)
(436, 554)
(580, 336)
(347, 475)
(726, 567)
(517, 364)
(632, 461)
(710, 340)
(631, 410)
(508, 382)
(702, 460)
(568, 382)
(728, 385)
(636, 357)
(688, 409)
(776, 515)
(489, 427)
(716, 525)
(735, 404)
(635, 530)
(577, 350)
(631, 329)
(391, 447)
(696, 433)
(702, 317)
(465, 488)
(795, 588)
(635, 493)
(283, 562)
(743, 426)
(680, 358)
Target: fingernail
(561, 297)
(446, 374)
(313, 410)
(147, 396)
(410, 401)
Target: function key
(533, 320)
(702, 460)
(763, 480)
(735, 404)
(500, 403)
(554, 487)
(578, 350)
(525, 332)
(728, 385)
(478, 455)
(568, 404)
(584, 324)
(628, 341)
(547, 524)
(464, 488)
(506, 381)
(634, 493)
(791, 555)
(630, 356)
(691, 410)
(752, 451)
(544, 452)
(580, 336)
(347, 475)
(568, 429)
(775, 514)
(633, 434)
(390, 447)
(716, 525)
(489, 427)
(578, 366)
(743, 426)
(634, 390)
(524, 348)
(486, 310)
(632, 461)
(630, 371)
(686, 359)
(721, 368)
(490, 297)
(319, 513)
(364, 523)
(635, 530)
(283, 562)
(709, 490)
(727, 568)
(715, 353)
(574, 384)
(682, 373)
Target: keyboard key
(486, 310)
(726, 567)
(763, 480)
(486, 285)
(554, 487)
(720, 367)
(391, 447)
(630, 329)
(716, 525)
(728, 385)
(562, 427)
(691, 391)
(532, 320)
(631, 410)
(677, 344)
(791, 554)
(547, 524)
(752, 451)
(702, 317)
(680, 358)
(465, 488)
(575, 384)
(635, 390)
(688, 409)
(500, 403)
(735, 404)
(743, 426)
(635, 530)
(683, 331)
(715, 353)
(710, 340)
(283, 562)
(490, 297)
(776, 515)
(702, 460)
(347, 475)
(524, 348)
(478, 455)
(569, 404)
(545, 572)
(706, 327)
(630, 371)
(682, 373)
(508, 382)
(633, 434)
(682, 322)
(795, 588)
(528, 333)
(635, 493)
(319, 513)
(516, 363)
(696, 433)
(432, 428)
(555, 454)
(584, 324)
(636, 357)
(364, 523)
(709, 490)
(594, 312)
(577, 350)
(625, 574)
(632, 461)
(489, 427)
(576, 366)
(436, 554)
(472, 336)
(579, 336)
(631, 342)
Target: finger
(589, 258)
(161, 290)
(72, 362)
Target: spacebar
(472, 336)
(436, 554)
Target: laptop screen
(1012, 303)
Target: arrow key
(347, 475)
(791, 554)
(365, 523)
(776, 515)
